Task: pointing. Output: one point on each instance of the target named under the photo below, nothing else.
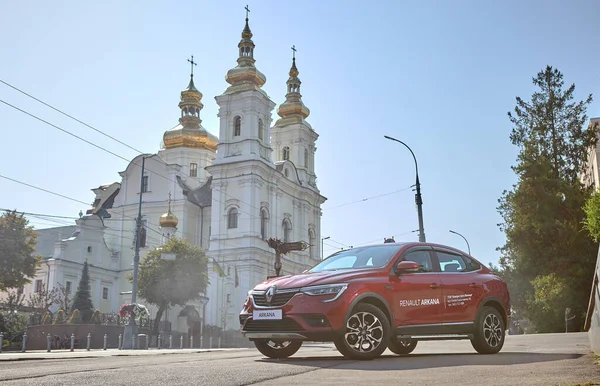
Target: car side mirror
(407, 267)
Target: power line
(63, 113)
(44, 190)
(368, 198)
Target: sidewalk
(7, 356)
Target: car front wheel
(366, 334)
(276, 348)
(489, 331)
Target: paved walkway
(97, 353)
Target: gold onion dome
(189, 133)
(168, 220)
(293, 106)
(245, 73)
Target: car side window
(471, 265)
(423, 258)
(450, 262)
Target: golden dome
(189, 137)
(245, 72)
(293, 105)
(190, 133)
(168, 220)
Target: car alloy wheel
(402, 346)
(492, 330)
(366, 334)
(489, 331)
(276, 348)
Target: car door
(417, 296)
(462, 286)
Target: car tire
(402, 346)
(489, 331)
(277, 348)
(366, 333)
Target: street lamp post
(131, 328)
(468, 246)
(418, 198)
(323, 239)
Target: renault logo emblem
(270, 293)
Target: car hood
(317, 278)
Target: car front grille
(283, 325)
(277, 301)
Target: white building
(592, 174)
(227, 195)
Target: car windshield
(364, 257)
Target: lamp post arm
(411, 152)
(464, 238)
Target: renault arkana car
(370, 298)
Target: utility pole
(131, 328)
(418, 198)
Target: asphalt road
(547, 359)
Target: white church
(227, 195)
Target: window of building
(232, 218)
(68, 285)
(105, 293)
(306, 158)
(228, 298)
(89, 249)
(237, 126)
(286, 153)
(38, 285)
(145, 184)
(193, 170)
(263, 224)
(260, 129)
(287, 230)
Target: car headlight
(328, 289)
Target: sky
(438, 75)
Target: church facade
(228, 195)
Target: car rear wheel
(489, 331)
(366, 334)
(402, 346)
(277, 348)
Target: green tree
(592, 216)
(172, 282)
(543, 213)
(83, 299)
(17, 243)
(43, 299)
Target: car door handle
(433, 285)
(474, 285)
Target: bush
(96, 317)
(60, 317)
(47, 318)
(75, 317)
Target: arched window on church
(263, 223)
(286, 153)
(232, 218)
(237, 126)
(260, 129)
(306, 158)
(287, 230)
(312, 243)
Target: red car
(370, 298)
